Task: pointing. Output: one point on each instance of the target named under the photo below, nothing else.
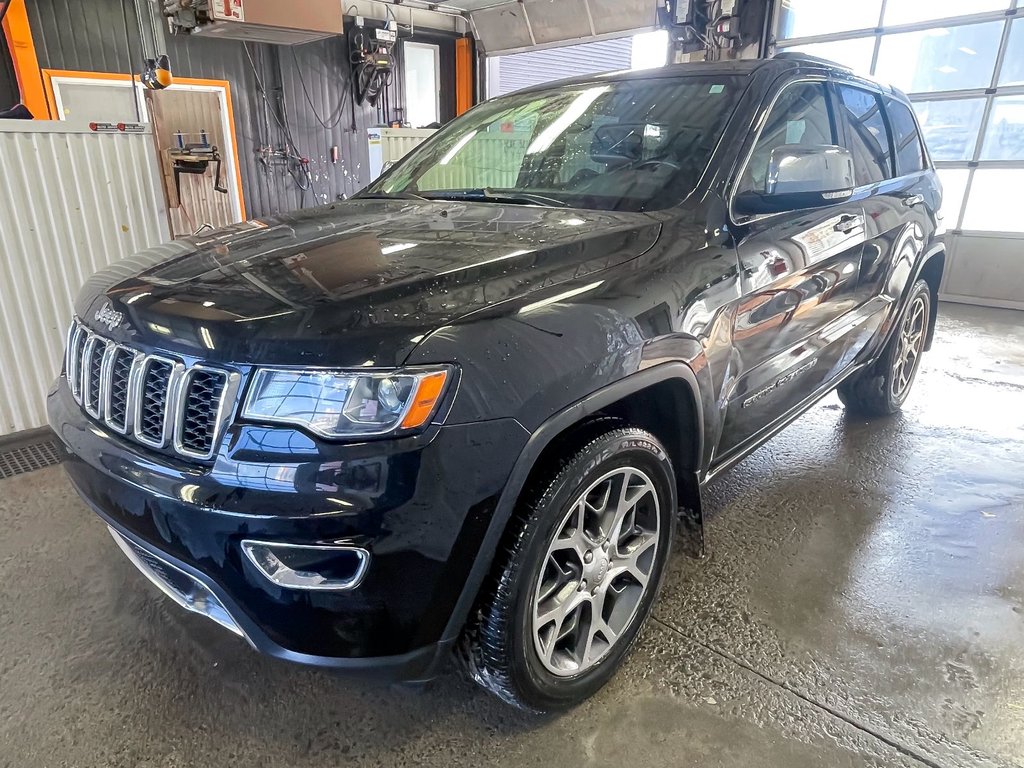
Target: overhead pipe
(423, 5)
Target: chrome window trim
(227, 399)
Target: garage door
(520, 70)
(504, 26)
(965, 75)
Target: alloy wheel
(909, 348)
(596, 571)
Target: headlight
(346, 403)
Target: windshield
(636, 145)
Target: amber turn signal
(424, 399)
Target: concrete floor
(861, 605)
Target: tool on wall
(195, 158)
(373, 62)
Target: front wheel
(580, 574)
(882, 388)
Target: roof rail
(800, 56)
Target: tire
(528, 645)
(882, 388)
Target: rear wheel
(579, 576)
(882, 389)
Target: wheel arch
(672, 388)
(933, 265)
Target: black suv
(466, 408)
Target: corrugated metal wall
(311, 81)
(51, 241)
(521, 70)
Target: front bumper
(420, 506)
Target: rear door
(799, 275)
(894, 189)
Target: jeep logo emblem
(106, 315)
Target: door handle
(913, 200)
(848, 223)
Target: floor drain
(27, 458)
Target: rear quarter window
(909, 147)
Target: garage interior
(861, 600)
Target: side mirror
(801, 177)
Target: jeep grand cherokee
(466, 408)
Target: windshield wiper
(389, 196)
(510, 196)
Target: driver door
(799, 276)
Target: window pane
(951, 127)
(1013, 62)
(909, 153)
(868, 138)
(993, 203)
(855, 53)
(1004, 138)
(802, 18)
(954, 184)
(422, 79)
(638, 145)
(800, 116)
(910, 11)
(943, 59)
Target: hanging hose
(131, 69)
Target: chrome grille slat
(93, 354)
(118, 400)
(153, 399)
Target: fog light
(310, 567)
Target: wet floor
(862, 604)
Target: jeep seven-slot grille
(153, 399)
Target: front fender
(541, 438)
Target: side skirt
(741, 452)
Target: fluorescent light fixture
(946, 69)
(649, 50)
(387, 250)
(968, 51)
(207, 338)
(457, 148)
(571, 114)
(559, 297)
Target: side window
(800, 116)
(867, 135)
(909, 150)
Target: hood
(350, 284)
